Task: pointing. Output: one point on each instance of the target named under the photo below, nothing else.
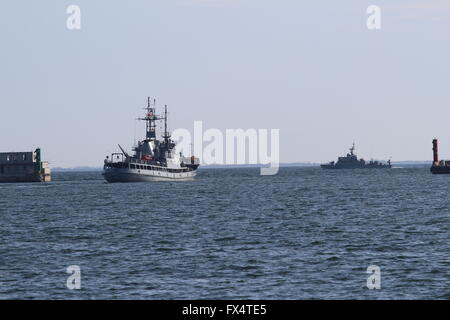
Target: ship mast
(150, 120)
(166, 135)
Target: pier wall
(23, 167)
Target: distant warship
(351, 161)
(153, 159)
(439, 166)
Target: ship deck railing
(149, 167)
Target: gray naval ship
(351, 161)
(153, 159)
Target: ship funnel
(435, 152)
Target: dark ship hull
(147, 172)
(356, 166)
(122, 175)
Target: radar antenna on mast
(150, 119)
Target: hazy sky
(310, 68)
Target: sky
(309, 68)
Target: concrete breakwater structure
(24, 167)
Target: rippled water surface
(302, 234)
